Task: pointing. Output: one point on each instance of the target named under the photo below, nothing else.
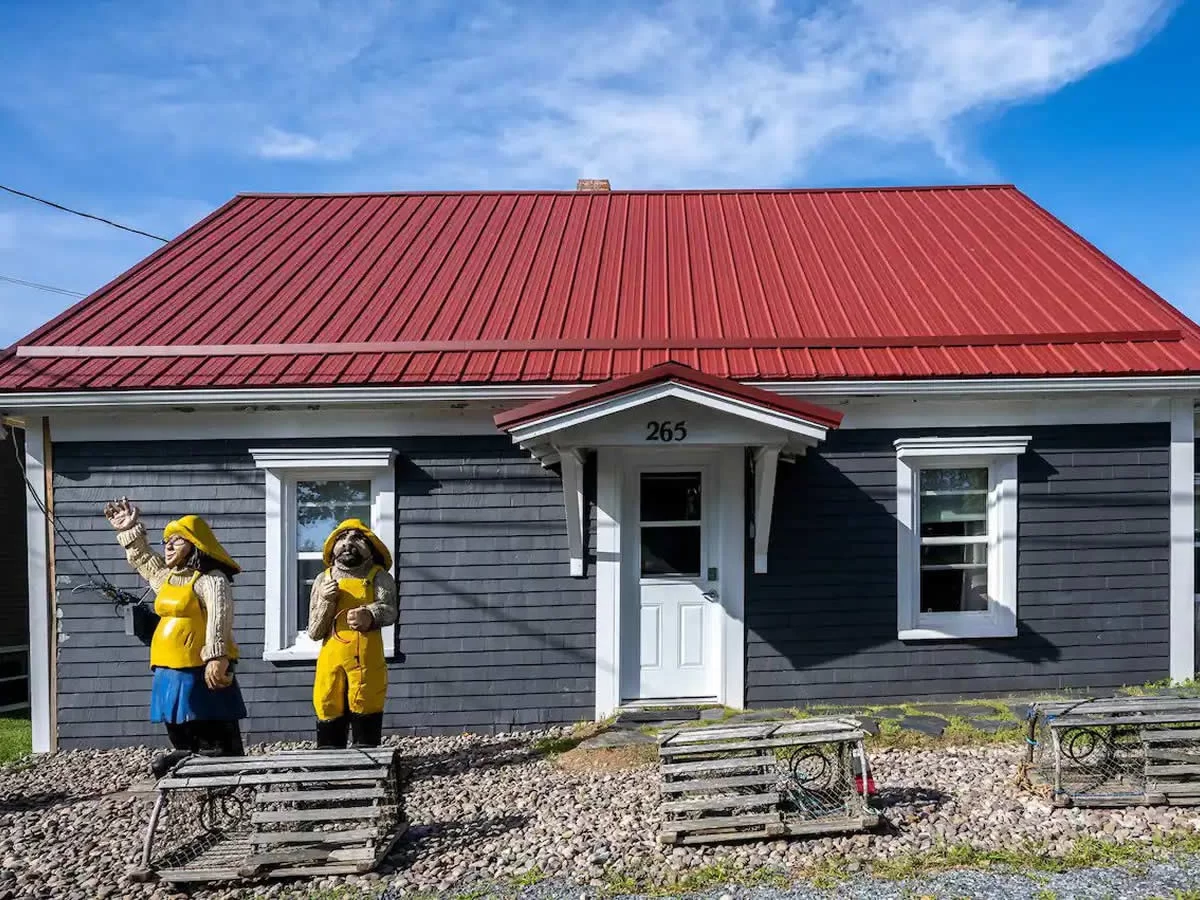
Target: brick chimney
(597, 185)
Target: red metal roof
(506, 287)
(674, 372)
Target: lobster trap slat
(809, 777)
(1124, 751)
(278, 815)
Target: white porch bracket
(672, 407)
(572, 460)
(766, 463)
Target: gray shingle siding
(1092, 584)
(494, 634)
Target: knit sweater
(212, 588)
(321, 612)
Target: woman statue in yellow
(351, 602)
(192, 653)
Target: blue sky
(154, 113)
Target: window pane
(954, 590)
(671, 550)
(954, 481)
(671, 497)
(307, 571)
(954, 555)
(321, 505)
(953, 502)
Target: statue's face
(176, 551)
(351, 549)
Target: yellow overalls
(179, 636)
(351, 668)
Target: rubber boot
(366, 729)
(332, 733)
(220, 737)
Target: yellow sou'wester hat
(356, 525)
(197, 532)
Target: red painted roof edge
(670, 371)
(1190, 327)
(76, 308)
(849, 189)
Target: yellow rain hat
(356, 525)
(197, 532)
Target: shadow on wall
(825, 614)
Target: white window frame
(999, 456)
(284, 467)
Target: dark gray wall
(494, 635)
(1092, 575)
(14, 587)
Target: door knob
(711, 595)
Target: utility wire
(98, 581)
(41, 287)
(85, 215)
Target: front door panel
(672, 555)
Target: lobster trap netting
(276, 815)
(754, 781)
(1119, 751)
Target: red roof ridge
(640, 192)
(666, 372)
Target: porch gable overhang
(564, 429)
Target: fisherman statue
(192, 654)
(352, 601)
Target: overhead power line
(41, 287)
(83, 214)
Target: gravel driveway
(489, 813)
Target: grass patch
(1027, 858)
(16, 737)
(608, 759)
(556, 746)
(720, 874)
(528, 878)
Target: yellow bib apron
(351, 669)
(182, 626)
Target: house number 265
(666, 431)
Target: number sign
(666, 431)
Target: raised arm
(131, 535)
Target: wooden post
(51, 581)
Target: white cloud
(692, 92)
(276, 143)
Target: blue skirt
(180, 695)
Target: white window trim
(284, 467)
(999, 455)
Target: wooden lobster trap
(1119, 751)
(302, 812)
(771, 780)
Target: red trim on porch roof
(664, 372)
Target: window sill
(293, 654)
(955, 632)
(307, 650)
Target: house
(755, 448)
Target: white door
(673, 651)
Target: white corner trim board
(1182, 579)
(283, 467)
(42, 625)
(999, 454)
